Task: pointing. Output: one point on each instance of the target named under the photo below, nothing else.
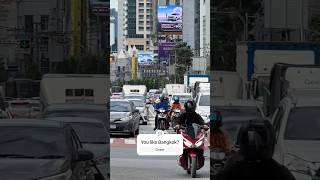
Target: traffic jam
(56, 128)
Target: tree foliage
(315, 28)
(227, 29)
(183, 54)
(87, 64)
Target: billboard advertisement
(99, 7)
(145, 58)
(164, 52)
(170, 18)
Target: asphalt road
(126, 164)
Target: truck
(227, 85)
(134, 89)
(256, 59)
(286, 78)
(73, 88)
(175, 88)
(191, 79)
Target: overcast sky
(114, 4)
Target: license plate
(113, 126)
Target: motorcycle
(217, 161)
(162, 117)
(192, 158)
(174, 115)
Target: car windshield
(84, 132)
(95, 114)
(204, 100)
(119, 106)
(138, 103)
(239, 111)
(303, 124)
(32, 142)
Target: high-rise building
(122, 24)
(191, 24)
(113, 29)
(204, 27)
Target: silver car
(93, 136)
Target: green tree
(3, 74)
(228, 29)
(183, 59)
(315, 28)
(32, 72)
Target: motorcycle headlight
(296, 164)
(200, 141)
(162, 110)
(187, 143)
(63, 176)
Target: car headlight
(63, 176)
(125, 119)
(296, 164)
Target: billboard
(164, 51)
(145, 58)
(170, 18)
(99, 7)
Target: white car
(203, 106)
(238, 108)
(297, 125)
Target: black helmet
(215, 119)
(190, 105)
(256, 140)
(163, 97)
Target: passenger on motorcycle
(164, 103)
(176, 104)
(218, 138)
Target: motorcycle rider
(218, 138)
(257, 141)
(190, 116)
(164, 103)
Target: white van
(73, 88)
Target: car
(124, 117)
(238, 108)
(135, 96)
(141, 106)
(94, 111)
(20, 109)
(296, 123)
(203, 106)
(92, 134)
(174, 17)
(42, 149)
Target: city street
(126, 163)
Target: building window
(28, 23)
(44, 44)
(141, 29)
(44, 21)
(141, 4)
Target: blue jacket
(165, 105)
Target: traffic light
(24, 44)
